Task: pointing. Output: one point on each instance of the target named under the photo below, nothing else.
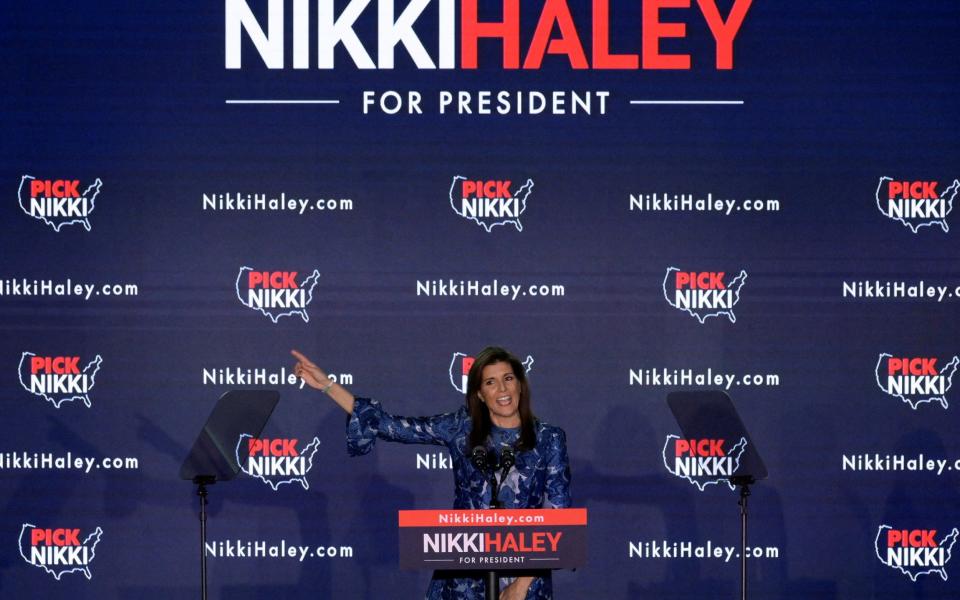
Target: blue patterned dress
(540, 479)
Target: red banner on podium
(493, 539)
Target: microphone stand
(488, 463)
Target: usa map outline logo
(521, 195)
(308, 452)
(914, 574)
(736, 451)
(57, 574)
(85, 221)
(915, 403)
(930, 222)
(736, 284)
(85, 398)
(310, 281)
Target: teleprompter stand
(213, 455)
(743, 482)
(711, 415)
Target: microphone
(479, 458)
(487, 461)
(507, 460)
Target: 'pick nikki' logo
(916, 204)
(276, 294)
(58, 202)
(915, 552)
(703, 462)
(489, 202)
(460, 368)
(915, 380)
(58, 551)
(703, 294)
(58, 379)
(276, 461)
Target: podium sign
(493, 539)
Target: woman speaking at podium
(497, 414)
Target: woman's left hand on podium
(516, 590)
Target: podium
(493, 539)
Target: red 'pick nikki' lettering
(912, 366)
(701, 281)
(487, 189)
(55, 188)
(62, 365)
(699, 447)
(911, 538)
(55, 537)
(916, 190)
(275, 447)
(272, 279)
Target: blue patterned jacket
(540, 479)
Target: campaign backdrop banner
(634, 198)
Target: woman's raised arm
(315, 377)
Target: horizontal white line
(544, 559)
(727, 102)
(438, 560)
(282, 101)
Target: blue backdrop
(824, 100)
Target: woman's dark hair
(480, 415)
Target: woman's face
(500, 392)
